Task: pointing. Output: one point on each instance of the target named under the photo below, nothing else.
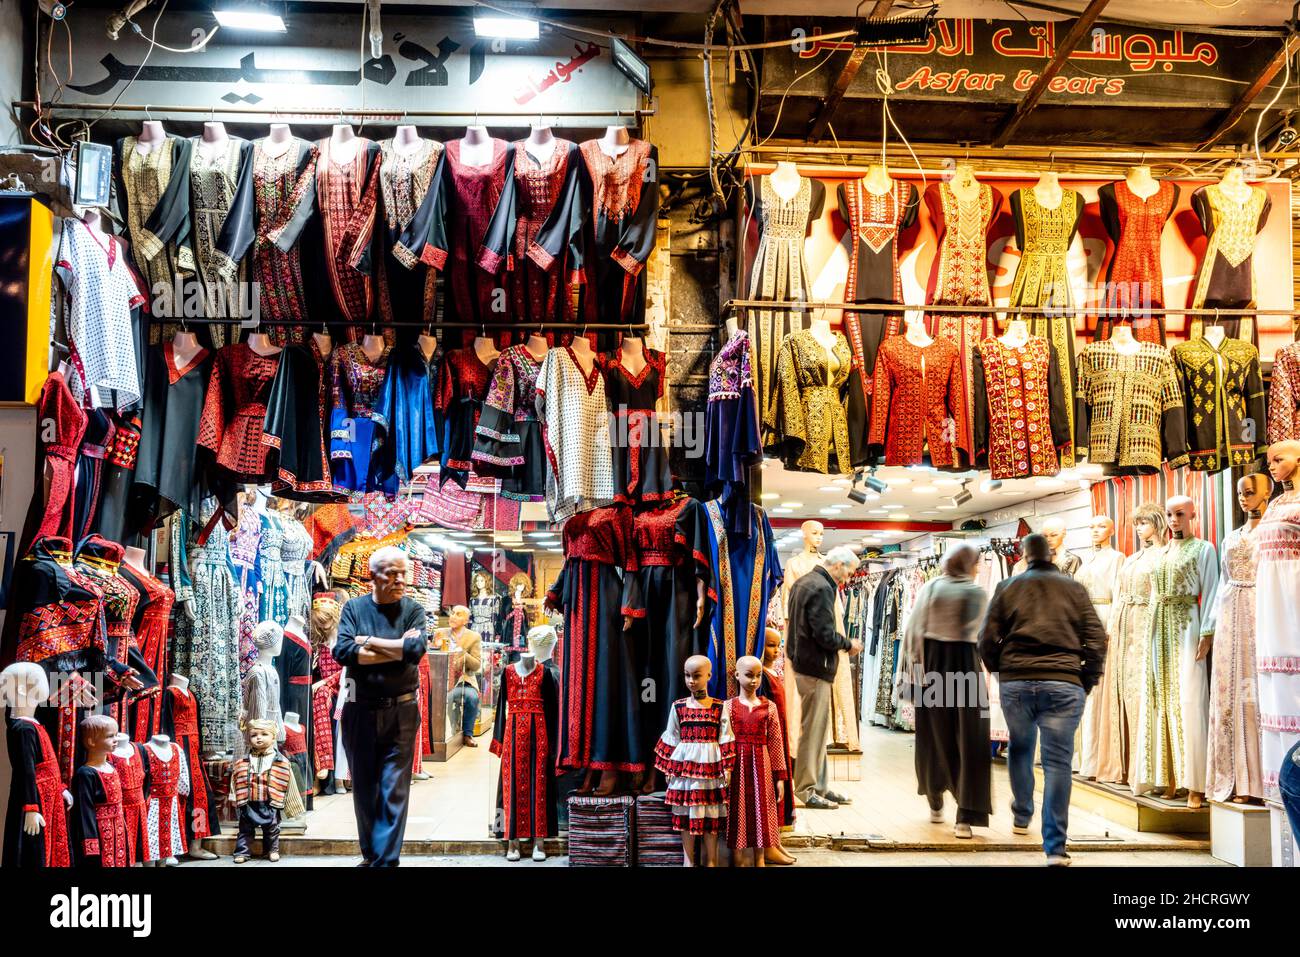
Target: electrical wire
(199, 46)
(1286, 80)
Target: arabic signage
(998, 61)
(428, 63)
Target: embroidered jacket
(919, 401)
(1128, 409)
(270, 786)
(1224, 393)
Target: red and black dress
(523, 736)
(639, 453)
(1134, 279)
(600, 721)
(59, 451)
(130, 774)
(508, 437)
(235, 408)
(99, 835)
(151, 627)
(773, 689)
(672, 551)
(754, 819)
(180, 720)
(463, 384)
(36, 786)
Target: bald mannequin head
(1054, 531)
(698, 671)
(749, 674)
(1253, 492)
(1180, 513)
(1102, 530)
(812, 535)
(1282, 460)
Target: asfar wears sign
(428, 63)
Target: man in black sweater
(380, 642)
(1044, 641)
(813, 644)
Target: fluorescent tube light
(506, 28)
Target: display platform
(1148, 814)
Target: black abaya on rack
(295, 412)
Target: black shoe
(838, 799)
(819, 803)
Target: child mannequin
(754, 818)
(98, 825)
(260, 784)
(695, 755)
(774, 689)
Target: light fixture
(875, 484)
(630, 65)
(990, 485)
(829, 511)
(962, 496)
(794, 505)
(506, 28)
(828, 488)
(782, 511)
(768, 496)
(248, 16)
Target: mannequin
(521, 736)
(279, 133)
(214, 138)
(406, 138)
(583, 353)
(93, 221)
(1233, 769)
(1172, 740)
(98, 826)
(878, 180)
(776, 688)
(259, 783)
(262, 683)
(483, 608)
(127, 759)
(963, 183)
(373, 346)
(181, 718)
(615, 141)
(1099, 574)
(1214, 335)
(134, 558)
(785, 180)
(36, 822)
(324, 344)
(537, 345)
(151, 136)
(1016, 334)
(1234, 184)
(754, 818)
(1277, 609)
(915, 330)
(344, 143)
(261, 343)
(826, 338)
(732, 326)
(429, 345)
(1122, 337)
(540, 143)
(1141, 183)
(1047, 191)
(486, 348)
(633, 354)
(476, 146)
(168, 779)
(1054, 531)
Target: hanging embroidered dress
(406, 404)
(638, 447)
(151, 628)
(215, 179)
(806, 423)
(508, 437)
(1043, 236)
(358, 429)
(779, 272)
(918, 403)
(347, 195)
(1134, 277)
(1234, 766)
(960, 277)
(180, 721)
(524, 737)
(1277, 639)
(1128, 409)
(731, 426)
(1020, 416)
(875, 221)
(294, 429)
(235, 408)
(1284, 395)
(1175, 706)
(575, 432)
(410, 185)
(1223, 396)
(155, 186)
(267, 215)
(1226, 276)
(463, 383)
(57, 450)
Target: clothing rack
(407, 324)
(316, 111)
(1051, 312)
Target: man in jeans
(1045, 642)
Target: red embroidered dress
(56, 405)
(99, 826)
(695, 752)
(463, 383)
(1020, 411)
(346, 193)
(168, 782)
(36, 785)
(181, 722)
(130, 774)
(524, 738)
(235, 407)
(639, 452)
(754, 819)
(918, 402)
(152, 626)
(1134, 279)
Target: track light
(962, 496)
(875, 484)
(856, 494)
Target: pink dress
(754, 819)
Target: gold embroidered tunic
(1128, 411)
(807, 418)
(1226, 277)
(1223, 390)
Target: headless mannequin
(583, 352)
(476, 146)
(732, 325)
(826, 338)
(93, 221)
(185, 346)
(25, 688)
(134, 559)
(632, 354)
(1017, 334)
(261, 343)
(878, 181)
(1123, 339)
(323, 342)
(537, 346)
(161, 745)
(540, 144)
(615, 141)
(429, 345)
(152, 136)
(785, 180)
(1141, 183)
(1048, 192)
(343, 144)
(1234, 185)
(1214, 335)
(406, 139)
(278, 139)
(915, 331)
(963, 183)
(214, 139)
(486, 349)
(373, 346)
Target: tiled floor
(456, 804)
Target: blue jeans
(1288, 783)
(464, 698)
(1054, 708)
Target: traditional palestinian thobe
(180, 721)
(600, 712)
(524, 737)
(1277, 642)
(1234, 766)
(235, 409)
(671, 545)
(59, 451)
(406, 404)
(412, 203)
(98, 826)
(130, 772)
(169, 781)
(294, 428)
(1176, 705)
(216, 177)
(732, 444)
(1099, 574)
(746, 573)
(35, 785)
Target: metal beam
(1078, 30)
(1252, 92)
(857, 56)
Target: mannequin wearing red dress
(758, 775)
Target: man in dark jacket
(813, 644)
(1045, 642)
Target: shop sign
(428, 63)
(998, 61)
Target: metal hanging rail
(1049, 311)
(324, 112)
(316, 325)
(962, 152)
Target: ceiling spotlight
(990, 485)
(506, 28)
(962, 496)
(875, 484)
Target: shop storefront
(601, 339)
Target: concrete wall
(11, 68)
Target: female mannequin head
(1102, 529)
(1253, 492)
(1180, 511)
(1150, 523)
(812, 535)
(1282, 460)
(480, 583)
(520, 586)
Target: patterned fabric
(356, 382)
(1129, 409)
(522, 738)
(270, 785)
(1223, 391)
(145, 178)
(511, 399)
(404, 181)
(1284, 395)
(473, 194)
(101, 291)
(130, 775)
(575, 429)
(61, 625)
(36, 785)
(152, 631)
(746, 574)
(1226, 277)
(235, 408)
(463, 383)
(169, 780)
(1277, 639)
(754, 820)
(214, 179)
(1017, 391)
(402, 282)
(806, 419)
(1134, 279)
(918, 401)
(640, 457)
(695, 753)
(1126, 659)
(58, 406)
(346, 198)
